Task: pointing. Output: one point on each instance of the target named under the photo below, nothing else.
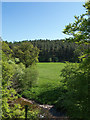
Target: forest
(52, 50)
(23, 61)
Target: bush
(75, 100)
(26, 94)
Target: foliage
(76, 77)
(30, 76)
(6, 51)
(8, 93)
(26, 52)
(14, 79)
(24, 78)
(49, 51)
(33, 115)
(17, 79)
(80, 28)
(0, 80)
(56, 50)
(75, 99)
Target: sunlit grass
(49, 74)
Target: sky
(37, 20)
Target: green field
(49, 74)
(46, 90)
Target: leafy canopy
(80, 29)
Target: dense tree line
(48, 51)
(56, 50)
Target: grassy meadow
(49, 74)
(47, 87)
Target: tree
(6, 51)
(75, 98)
(15, 79)
(9, 94)
(29, 78)
(80, 29)
(77, 76)
(26, 52)
(23, 78)
(57, 50)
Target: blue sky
(37, 20)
